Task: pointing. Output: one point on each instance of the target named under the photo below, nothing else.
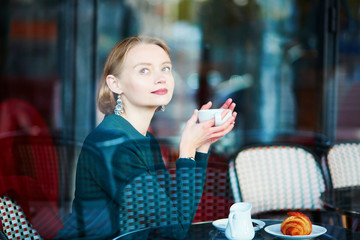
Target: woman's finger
(194, 117)
(226, 123)
(217, 135)
(232, 106)
(234, 115)
(206, 106)
(226, 104)
(208, 123)
(224, 113)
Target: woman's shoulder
(101, 135)
(109, 129)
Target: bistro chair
(277, 178)
(34, 157)
(234, 182)
(14, 222)
(150, 201)
(217, 196)
(343, 160)
(29, 175)
(37, 174)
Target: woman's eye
(144, 70)
(166, 69)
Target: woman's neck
(140, 120)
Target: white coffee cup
(208, 114)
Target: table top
(345, 200)
(206, 230)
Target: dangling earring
(119, 108)
(162, 108)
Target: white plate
(221, 224)
(275, 230)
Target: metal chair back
(279, 177)
(15, 224)
(343, 161)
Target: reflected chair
(29, 174)
(141, 201)
(152, 201)
(343, 160)
(217, 196)
(68, 152)
(277, 178)
(38, 174)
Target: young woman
(137, 81)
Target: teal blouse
(113, 155)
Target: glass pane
(348, 72)
(266, 55)
(263, 54)
(29, 67)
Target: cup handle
(230, 222)
(218, 120)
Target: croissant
(296, 224)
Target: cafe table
(346, 201)
(206, 231)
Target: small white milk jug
(239, 225)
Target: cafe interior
(291, 66)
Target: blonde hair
(113, 66)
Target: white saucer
(275, 231)
(221, 224)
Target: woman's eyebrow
(140, 64)
(167, 62)
(149, 64)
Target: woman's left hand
(229, 104)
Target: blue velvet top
(113, 155)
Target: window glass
(348, 72)
(265, 55)
(29, 66)
(268, 56)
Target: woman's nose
(160, 78)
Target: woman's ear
(113, 84)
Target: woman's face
(146, 79)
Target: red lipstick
(161, 91)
